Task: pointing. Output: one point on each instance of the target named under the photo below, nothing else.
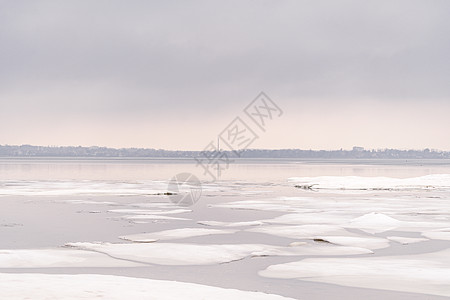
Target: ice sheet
(88, 202)
(230, 224)
(58, 258)
(150, 217)
(80, 187)
(316, 249)
(356, 241)
(174, 254)
(88, 286)
(424, 273)
(369, 214)
(439, 234)
(357, 183)
(209, 254)
(149, 211)
(301, 231)
(405, 240)
(174, 234)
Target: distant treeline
(357, 152)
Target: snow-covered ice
(301, 231)
(80, 187)
(149, 211)
(423, 273)
(88, 202)
(326, 228)
(58, 258)
(374, 223)
(317, 249)
(89, 286)
(174, 234)
(438, 234)
(174, 253)
(208, 254)
(357, 183)
(356, 241)
(405, 240)
(150, 217)
(230, 224)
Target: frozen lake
(312, 229)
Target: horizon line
(354, 148)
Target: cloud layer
(172, 74)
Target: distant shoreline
(146, 153)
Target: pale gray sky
(173, 74)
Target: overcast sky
(174, 74)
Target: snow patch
(374, 223)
